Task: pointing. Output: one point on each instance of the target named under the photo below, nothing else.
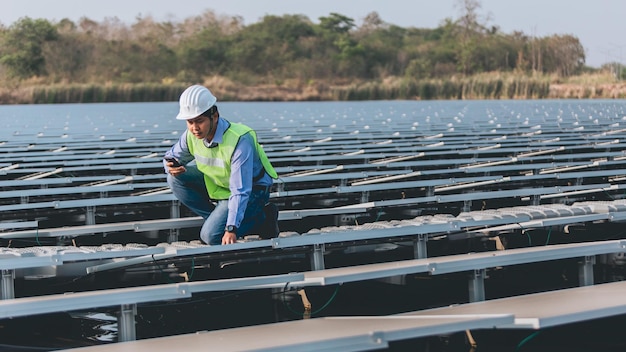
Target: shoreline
(445, 90)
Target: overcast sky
(599, 24)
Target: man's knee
(212, 238)
(173, 183)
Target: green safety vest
(214, 163)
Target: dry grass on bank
(602, 85)
(290, 90)
(483, 86)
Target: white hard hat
(194, 101)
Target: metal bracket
(467, 206)
(126, 323)
(8, 284)
(365, 196)
(536, 199)
(317, 258)
(477, 285)
(585, 271)
(174, 214)
(420, 246)
(90, 216)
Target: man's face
(200, 127)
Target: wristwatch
(231, 228)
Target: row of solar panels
(503, 313)
(462, 180)
(449, 172)
(518, 164)
(114, 256)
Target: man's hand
(175, 170)
(229, 237)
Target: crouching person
(218, 169)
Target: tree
(22, 49)
(443, 54)
(563, 54)
(66, 58)
(471, 29)
(337, 23)
(277, 49)
(270, 47)
(339, 44)
(202, 45)
(385, 50)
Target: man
(218, 169)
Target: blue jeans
(190, 189)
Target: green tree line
(274, 50)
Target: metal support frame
(420, 246)
(365, 196)
(536, 199)
(317, 257)
(585, 271)
(126, 323)
(477, 285)
(467, 205)
(8, 284)
(90, 215)
(173, 235)
(174, 214)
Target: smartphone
(174, 161)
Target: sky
(599, 24)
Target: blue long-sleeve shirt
(245, 164)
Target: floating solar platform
(426, 177)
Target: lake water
(322, 118)
(55, 124)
